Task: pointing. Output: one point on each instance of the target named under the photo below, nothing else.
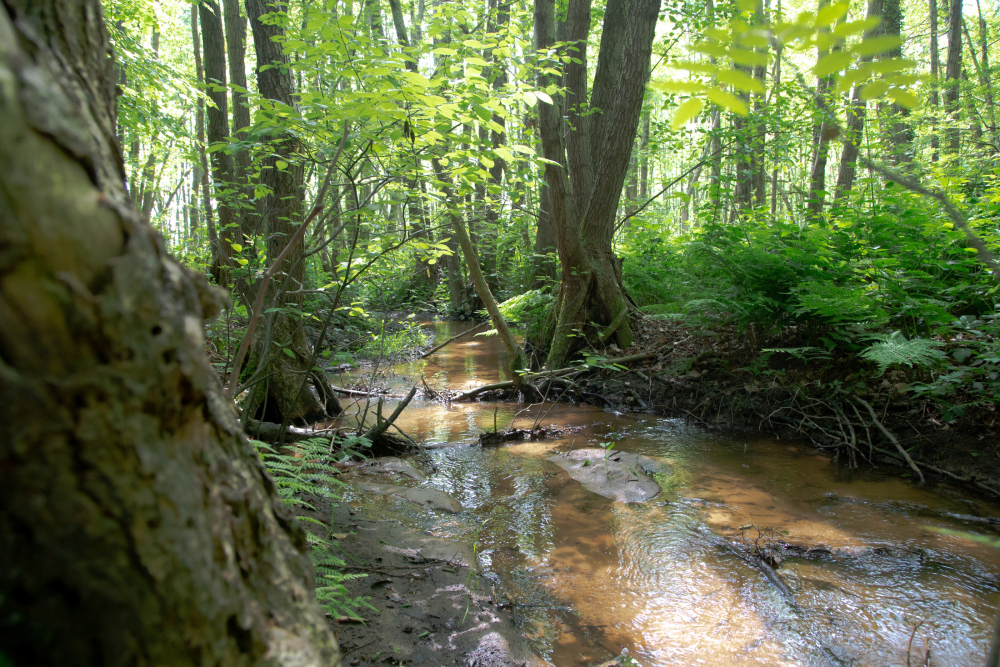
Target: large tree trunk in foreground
(587, 169)
(283, 396)
(137, 526)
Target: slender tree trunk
(283, 392)
(644, 168)
(214, 50)
(137, 525)
(935, 79)
(854, 129)
(518, 360)
(899, 129)
(984, 74)
(213, 237)
(953, 73)
(820, 142)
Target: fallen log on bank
(509, 384)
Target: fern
(301, 469)
(894, 348)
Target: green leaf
(678, 86)
(281, 165)
(288, 352)
(237, 247)
(831, 63)
(543, 97)
(529, 98)
(904, 98)
(727, 101)
(686, 112)
(830, 14)
(747, 57)
(876, 45)
(874, 89)
(740, 80)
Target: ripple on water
(591, 576)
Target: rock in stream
(432, 498)
(622, 476)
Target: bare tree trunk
(984, 74)
(214, 49)
(644, 169)
(137, 525)
(854, 129)
(935, 78)
(820, 142)
(953, 73)
(213, 237)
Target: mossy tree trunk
(137, 525)
(589, 162)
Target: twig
(886, 433)
(452, 339)
(380, 427)
(259, 304)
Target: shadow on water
(589, 577)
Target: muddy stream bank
(583, 578)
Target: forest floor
(692, 376)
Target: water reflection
(590, 577)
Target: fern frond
(894, 348)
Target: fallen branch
(509, 384)
(453, 339)
(355, 392)
(380, 427)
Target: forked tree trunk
(137, 525)
(284, 394)
(587, 169)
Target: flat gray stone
(400, 466)
(622, 477)
(432, 498)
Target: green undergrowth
(883, 285)
(302, 470)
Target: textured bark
(282, 393)
(596, 154)
(236, 51)
(214, 53)
(953, 72)
(935, 78)
(137, 526)
(854, 129)
(213, 238)
(820, 142)
(899, 129)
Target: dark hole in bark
(244, 640)
(157, 330)
(168, 357)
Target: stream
(589, 577)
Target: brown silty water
(589, 577)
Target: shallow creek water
(590, 577)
